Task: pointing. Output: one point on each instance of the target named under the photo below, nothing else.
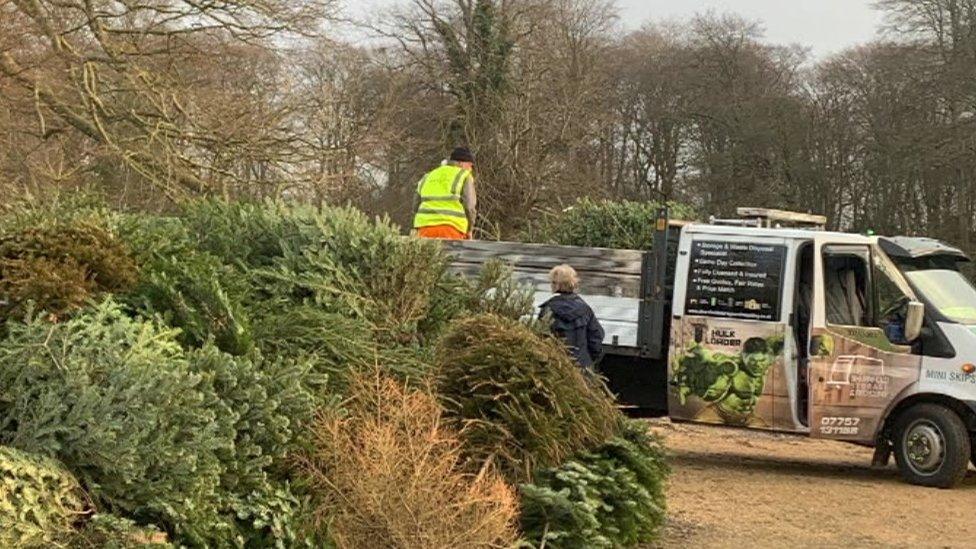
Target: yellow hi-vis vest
(440, 199)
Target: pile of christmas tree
(620, 224)
(265, 375)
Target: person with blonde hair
(572, 319)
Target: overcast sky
(824, 26)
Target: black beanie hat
(462, 154)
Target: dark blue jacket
(573, 320)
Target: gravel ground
(734, 488)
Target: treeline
(263, 98)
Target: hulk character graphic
(730, 383)
(822, 346)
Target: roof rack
(765, 218)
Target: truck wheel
(932, 446)
(972, 443)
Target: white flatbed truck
(770, 322)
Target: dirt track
(751, 489)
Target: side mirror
(914, 317)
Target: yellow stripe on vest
(440, 199)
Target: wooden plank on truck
(610, 280)
(546, 256)
(782, 216)
(591, 283)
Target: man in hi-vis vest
(447, 199)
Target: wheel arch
(965, 409)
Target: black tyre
(972, 444)
(932, 446)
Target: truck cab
(840, 336)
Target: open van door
(860, 358)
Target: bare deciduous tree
(174, 92)
(238, 98)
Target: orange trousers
(443, 232)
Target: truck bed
(630, 293)
(615, 283)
